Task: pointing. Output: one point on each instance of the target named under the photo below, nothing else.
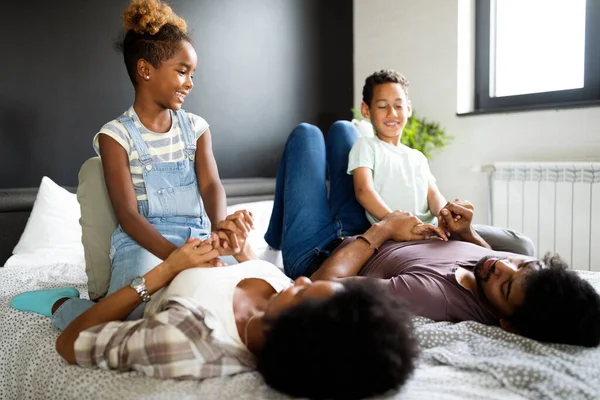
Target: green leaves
(419, 134)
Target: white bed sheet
(458, 361)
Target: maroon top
(422, 272)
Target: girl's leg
(69, 310)
(42, 302)
(342, 201)
(129, 261)
(301, 222)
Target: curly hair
(559, 307)
(355, 344)
(380, 77)
(154, 33)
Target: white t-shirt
(401, 175)
(163, 147)
(213, 289)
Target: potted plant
(418, 134)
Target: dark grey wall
(264, 66)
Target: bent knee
(342, 125)
(305, 129)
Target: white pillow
(261, 210)
(52, 234)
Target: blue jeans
(305, 220)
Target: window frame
(588, 95)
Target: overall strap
(188, 134)
(138, 142)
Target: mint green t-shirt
(401, 175)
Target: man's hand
(457, 217)
(442, 223)
(403, 226)
(231, 233)
(194, 253)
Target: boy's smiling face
(389, 110)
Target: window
(536, 54)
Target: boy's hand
(194, 253)
(428, 231)
(403, 226)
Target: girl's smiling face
(170, 83)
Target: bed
(458, 361)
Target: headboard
(16, 205)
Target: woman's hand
(194, 253)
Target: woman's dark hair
(381, 77)
(559, 307)
(154, 33)
(355, 344)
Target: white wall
(419, 39)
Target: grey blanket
(458, 361)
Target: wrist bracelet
(363, 237)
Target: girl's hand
(240, 221)
(231, 233)
(228, 243)
(194, 253)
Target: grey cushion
(98, 222)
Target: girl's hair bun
(149, 16)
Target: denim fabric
(174, 207)
(305, 218)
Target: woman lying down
(321, 339)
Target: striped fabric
(163, 147)
(175, 343)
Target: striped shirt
(180, 341)
(163, 147)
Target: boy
(390, 176)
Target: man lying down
(334, 335)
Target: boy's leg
(502, 239)
(342, 200)
(301, 222)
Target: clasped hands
(454, 218)
(229, 238)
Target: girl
(158, 165)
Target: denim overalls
(174, 207)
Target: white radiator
(556, 204)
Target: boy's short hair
(559, 307)
(355, 344)
(383, 76)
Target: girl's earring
(147, 77)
